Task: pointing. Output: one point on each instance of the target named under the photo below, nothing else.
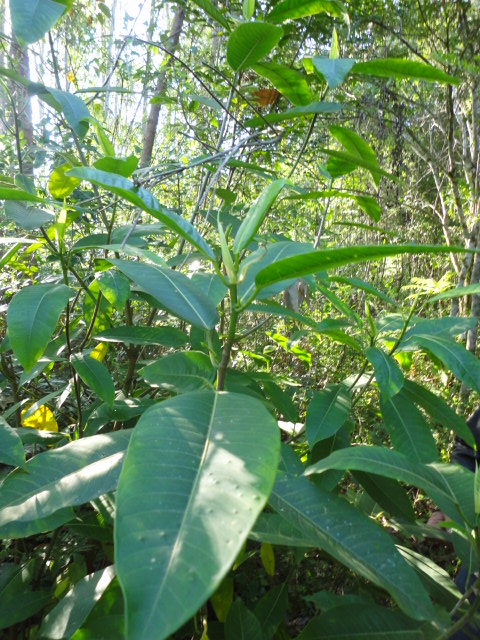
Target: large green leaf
(32, 19)
(60, 185)
(180, 372)
(191, 488)
(301, 265)
(6, 193)
(95, 376)
(438, 410)
(359, 622)
(271, 609)
(456, 292)
(408, 430)
(142, 198)
(73, 108)
(11, 447)
(294, 9)
(256, 215)
(387, 493)
(445, 327)
(17, 599)
(286, 80)
(32, 317)
(212, 11)
(462, 363)
(357, 147)
(334, 70)
(69, 614)
(59, 478)
(450, 486)
(242, 624)
(137, 335)
(173, 290)
(399, 68)
(295, 112)
(327, 412)
(27, 217)
(250, 42)
(388, 374)
(115, 287)
(352, 538)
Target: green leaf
(17, 599)
(387, 493)
(180, 372)
(388, 374)
(351, 538)
(456, 292)
(32, 317)
(256, 214)
(285, 80)
(462, 363)
(438, 410)
(11, 447)
(333, 70)
(248, 9)
(294, 9)
(327, 412)
(302, 265)
(115, 287)
(408, 430)
(281, 401)
(60, 185)
(450, 486)
(187, 524)
(123, 166)
(73, 108)
(212, 11)
(95, 376)
(358, 148)
(72, 610)
(399, 69)
(272, 528)
(242, 624)
(250, 42)
(27, 217)
(262, 257)
(136, 335)
(295, 112)
(31, 20)
(17, 194)
(173, 290)
(142, 198)
(445, 327)
(360, 621)
(364, 286)
(53, 480)
(270, 610)
(102, 137)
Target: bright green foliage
(251, 42)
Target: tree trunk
(152, 121)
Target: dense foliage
(239, 308)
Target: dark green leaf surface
(301, 265)
(295, 112)
(180, 372)
(250, 42)
(11, 447)
(32, 19)
(352, 538)
(327, 412)
(32, 317)
(242, 624)
(59, 478)
(184, 510)
(17, 599)
(357, 147)
(388, 374)
(173, 290)
(399, 68)
(294, 9)
(26, 217)
(137, 335)
(115, 287)
(95, 376)
(408, 430)
(212, 11)
(271, 610)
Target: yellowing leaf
(42, 418)
(99, 352)
(71, 76)
(268, 558)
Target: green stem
(227, 347)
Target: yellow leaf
(268, 558)
(71, 76)
(42, 418)
(99, 352)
